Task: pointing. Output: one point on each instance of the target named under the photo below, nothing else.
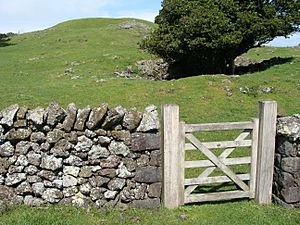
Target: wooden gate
(257, 134)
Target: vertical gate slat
(253, 167)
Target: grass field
(33, 72)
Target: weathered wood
(189, 128)
(221, 144)
(217, 162)
(171, 157)
(144, 141)
(181, 155)
(253, 166)
(223, 156)
(218, 196)
(208, 163)
(266, 151)
(215, 179)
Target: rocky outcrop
(92, 156)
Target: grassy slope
(32, 73)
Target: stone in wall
(104, 157)
(286, 182)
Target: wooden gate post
(173, 157)
(266, 151)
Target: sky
(21, 16)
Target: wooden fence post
(173, 158)
(266, 151)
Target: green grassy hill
(74, 62)
(33, 65)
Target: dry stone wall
(286, 186)
(100, 156)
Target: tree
(205, 36)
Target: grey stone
(46, 174)
(140, 191)
(22, 161)
(54, 136)
(49, 184)
(15, 178)
(2, 180)
(289, 126)
(82, 116)
(21, 114)
(114, 117)
(52, 195)
(85, 172)
(143, 161)
(71, 137)
(45, 147)
(85, 188)
(38, 189)
(118, 148)
(281, 203)
(34, 158)
(19, 134)
(130, 164)
(33, 179)
(285, 179)
(73, 160)
(98, 152)
(79, 200)
(291, 194)
(71, 170)
(97, 116)
(122, 135)
(69, 181)
(111, 173)
(37, 116)
(98, 181)
(290, 164)
(84, 144)
(51, 162)
(155, 190)
(90, 134)
(148, 175)
(123, 172)
(150, 120)
(58, 184)
(4, 165)
(22, 147)
(284, 147)
(8, 114)
(104, 141)
(146, 203)
(15, 169)
(24, 188)
(101, 203)
(97, 193)
(132, 119)
(156, 158)
(32, 201)
(62, 148)
(127, 195)
(182, 216)
(6, 149)
(20, 123)
(31, 170)
(8, 197)
(56, 114)
(144, 142)
(110, 194)
(70, 191)
(112, 161)
(70, 118)
(116, 184)
(38, 137)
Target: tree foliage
(205, 36)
